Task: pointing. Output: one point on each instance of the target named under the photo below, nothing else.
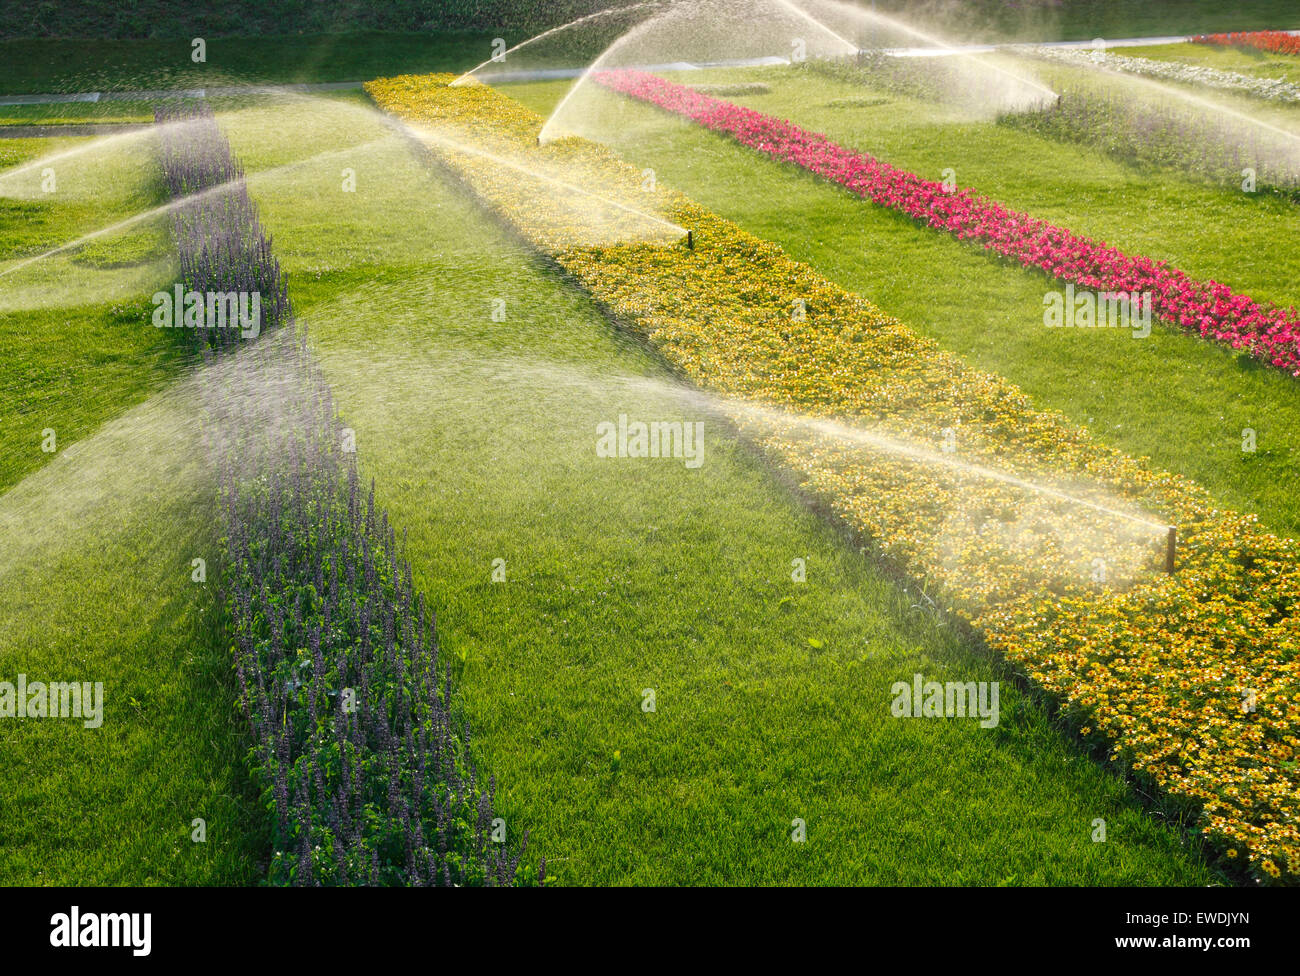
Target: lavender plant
(215, 225)
(363, 765)
(1210, 147)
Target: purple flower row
(355, 741)
(215, 225)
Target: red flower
(1208, 307)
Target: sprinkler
(1171, 549)
(690, 240)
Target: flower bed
(218, 235)
(1156, 667)
(1212, 148)
(1209, 308)
(1273, 42)
(1274, 89)
(355, 746)
(366, 773)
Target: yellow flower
(1193, 679)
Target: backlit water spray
(599, 15)
(166, 208)
(594, 227)
(1051, 528)
(739, 32)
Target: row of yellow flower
(1192, 678)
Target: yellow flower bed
(1192, 679)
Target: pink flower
(1208, 307)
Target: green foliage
(977, 18)
(1194, 142)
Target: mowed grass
(1243, 60)
(625, 578)
(76, 113)
(97, 539)
(1175, 398)
(96, 585)
(75, 326)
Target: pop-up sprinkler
(1171, 549)
(690, 240)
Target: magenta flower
(1211, 309)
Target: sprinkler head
(690, 240)
(1171, 549)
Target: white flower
(1276, 89)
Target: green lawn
(1175, 398)
(74, 326)
(625, 576)
(95, 586)
(1246, 62)
(76, 113)
(771, 697)
(98, 541)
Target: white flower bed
(1272, 88)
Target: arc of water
(546, 134)
(456, 145)
(936, 42)
(885, 443)
(800, 12)
(105, 142)
(556, 30)
(791, 8)
(776, 417)
(1197, 100)
(891, 445)
(174, 204)
(102, 142)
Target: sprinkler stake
(690, 240)
(1171, 549)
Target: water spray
(468, 76)
(888, 444)
(212, 191)
(804, 15)
(449, 144)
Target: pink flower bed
(1270, 333)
